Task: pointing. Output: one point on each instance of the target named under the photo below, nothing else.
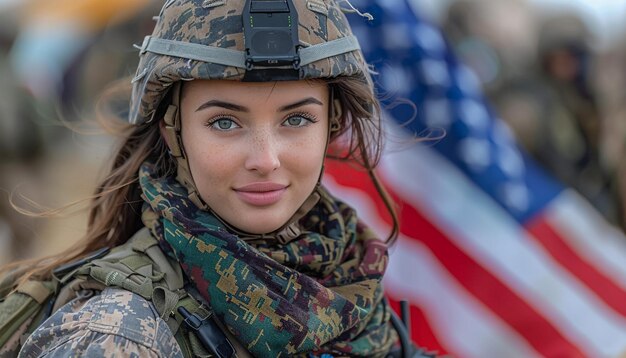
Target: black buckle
(209, 333)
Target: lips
(261, 194)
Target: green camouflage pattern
(115, 323)
(220, 24)
(319, 293)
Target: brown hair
(116, 206)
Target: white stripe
(590, 235)
(485, 232)
(461, 323)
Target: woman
(233, 110)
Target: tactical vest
(139, 266)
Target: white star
(502, 133)
(430, 40)
(467, 80)
(516, 196)
(474, 114)
(510, 161)
(475, 152)
(435, 73)
(437, 113)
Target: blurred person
(497, 39)
(619, 166)
(538, 72)
(570, 131)
(217, 184)
(611, 82)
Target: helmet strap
(174, 139)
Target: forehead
(205, 89)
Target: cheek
(307, 153)
(207, 159)
(209, 165)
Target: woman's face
(255, 150)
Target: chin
(261, 228)
(261, 224)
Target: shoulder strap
(24, 306)
(140, 266)
(22, 310)
(9, 280)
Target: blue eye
(298, 120)
(223, 124)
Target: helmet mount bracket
(270, 31)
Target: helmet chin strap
(173, 137)
(172, 133)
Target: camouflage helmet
(204, 39)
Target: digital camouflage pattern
(219, 23)
(115, 323)
(319, 293)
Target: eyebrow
(238, 108)
(304, 102)
(226, 105)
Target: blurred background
(555, 71)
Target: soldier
(569, 136)
(216, 191)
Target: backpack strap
(10, 279)
(22, 310)
(140, 266)
(24, 306)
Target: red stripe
(477, 280)
(603, 287)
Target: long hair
(116, 206)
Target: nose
(263, 153)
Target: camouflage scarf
(319, 293)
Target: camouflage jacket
(115, 323)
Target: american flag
(495, 257)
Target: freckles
(306, 153)
(306, 143)
(210, 162)
(258, 140)
(217, 159)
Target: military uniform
(114, 323)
